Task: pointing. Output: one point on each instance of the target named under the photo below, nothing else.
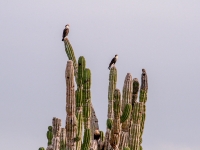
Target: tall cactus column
(135, 128)
(143, 100)
(116, 128)
(111, 89)
(79, 100)
(56, 123)
(126, 99)
(71, 122)
(87, 98)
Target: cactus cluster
(125, 119)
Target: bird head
(67, 26)
(116, 56)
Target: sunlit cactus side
(143, 99)
(71, 122)
(86, 140)
(49, 135)
(63, 139)
(56, 124)
(41, 148)
(126, 108)
(116, 128)
(134, 140)
(70, 53)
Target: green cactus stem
(134, 140)
(70, 53)
(86, 140)
(111, 89)
(135, 91)
(109, 123)
(41, 148)
(116, 129)
(126, 148)
(126, 113)
(143, 99)
(49, 135)
(86, 98)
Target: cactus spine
(71, 122)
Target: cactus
(71, 122)
(125, 117)
(109, 123)
(135, 128)
(86, 140)
(49, 135)
(71, 56)
(143, 100)
(126, 148)
(63, 139)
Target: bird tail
(109, 67)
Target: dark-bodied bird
(97, 135)
(65, 32)
(113, 61)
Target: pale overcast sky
(161, 36)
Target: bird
(97, 135)
(65, 32)
(113, 61)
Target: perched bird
(65, 32)
(113, 61)
(96, 135)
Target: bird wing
(112, 61)
(64, 32)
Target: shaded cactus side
(49, 135)
(143, 99)
(71, 122)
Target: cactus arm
(49, 135)
(126, 113)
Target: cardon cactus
(49, 135)
(41, 148)
(125, 118)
